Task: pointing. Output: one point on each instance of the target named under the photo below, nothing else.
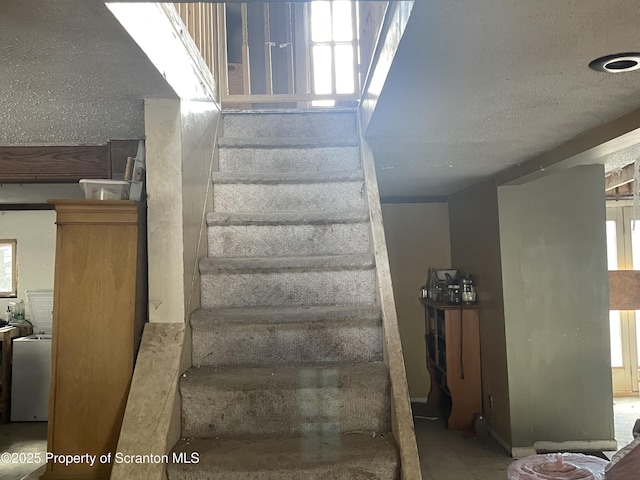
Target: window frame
(332, 44)
(14, 267)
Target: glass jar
(454, 294)
(468, 290)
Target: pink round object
(557, 466)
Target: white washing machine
(31, 370)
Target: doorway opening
(623, 253)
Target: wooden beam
(25, 206)
(624, 290)
(53, 164)
(619, 178)
(621, 192)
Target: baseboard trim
(521, 452)
(419, 400)
(576, 445)
(493, 434)
(544, 446)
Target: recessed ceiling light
(618, 63)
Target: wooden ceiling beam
(620, 193)
(619, 177)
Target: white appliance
(31, 370)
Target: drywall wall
(475, 249)
(180, 153)
(417, 238)
(35, 232)
(164, 210)
(199, 126)
(554, 266)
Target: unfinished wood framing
(199, 19)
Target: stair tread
(287, 142)
(293, 263)
(280, 178)
(290, 218)
(282, 377)
(262, 315)
(319, 111)
(279, 455)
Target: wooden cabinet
(453, 359)
(99, 310)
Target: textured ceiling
(477, 85)
(494, 83)
(70, 75)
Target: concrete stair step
(313, 157)
(297, 218)
(287, 142)
(270, 315)
(288, 281)
(310, 457)
(305, 233)
(259, 336)
(286, 178)
(329, 123)
(288, 192)
(285, 400)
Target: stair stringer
(401, 416)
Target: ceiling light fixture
(617, 63)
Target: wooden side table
(7, 334)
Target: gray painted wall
(417, 238)
(475, 249)
(552, 235)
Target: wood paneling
(24, 206)
(53, 164)
(624, 290)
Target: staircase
(288, 380)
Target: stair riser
(290, 126)
(285, 240)
(271, 344)
(303, 197)
(342, 287)
(321, 405)
(273, 160)
(362, 469)
(323, 456)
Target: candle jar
(468, 290)
(454, 294)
